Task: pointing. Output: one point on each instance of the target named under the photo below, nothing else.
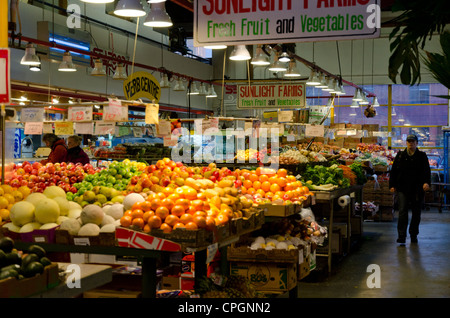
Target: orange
(282, 172)
(256, 185)
(251, 191)
(179, 226)
(169, 204)
(151, 197)
(186, 218)
(275, 187)
(147, 228)
(156, 203)
(180, 192)
(281, 181)
(154, 222)
(146, 206)
(206, 206)
(191, 226)
(147, 215)
(183, 202)
(221, 219)
(291, 178)
(174, 197)
(265, 186)
(258, 171)
(197, 204)
(201, 196)
(138, 222)
(190, 194)
(136, 205)
(263, 178)
(166, 228)
(247, 184)
(125, 221)
(210, 223)
(289, 186)
(253, 177)
(168, 191)
(172, 219)
(305, 189)
(161, 195)
(177, 210)
(127, 213)
(137, 214)
(273, 179)
(199, 213)
(269, 195)
(200, 221)
(261, 192)
(243, 190)
(162, 212)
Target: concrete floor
(412, 271)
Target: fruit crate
(241, 225)
(36, 236)
(103, 239)
(19, 288)
(222, 232)
(245, 254)
(186, 238)
(278, 210)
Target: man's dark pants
(408, 200)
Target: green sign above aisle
(283, 21)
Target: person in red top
(75, 154)
(58, 149)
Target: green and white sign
(271, 95)
(232, 22)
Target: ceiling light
(277, 66)
(211, 92)
(164, 83)
(334, 86)
(35, 68)
(313, 79)
(284, 57)
(354, 104)
(158, 17)
(129, 8)
(364, 100)
(358, 96)
(260, 57)
(55, 100)
(194, 89)
(179, 86)
(202, 90)
(215, 47)
(341, 90)
(329, 87)
(24, 98)
(98, 69)
(353, 113)
(323, 81)
(375, 102)
(292, 70)
(120, 73)
(30, 57)
(97, 1)
(393, 113)
(240, 53)
(67, 65)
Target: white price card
(63, 128)
(48, 128)
(163, 128)
(34, 114)
(285, 116)
(84, 128)
(79, 113)
(314, 130)
(151, 114)
(170, 141)
(114, 111)
(33, 128)
(102, 128)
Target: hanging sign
(5, 83)
(79, 113)
(103, 128)
(142, 85)
(31, 114)
(115, 111)
(33, 128)
(63, 128)
(151, 114)
(271, 96)
(284, 21)
(84, 128)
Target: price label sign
(104, 128)
(33, 128)
(163, 128)
(115, 111)
(151, 114)
(314, 130)
(80, 113)
(84, 128)
(64, 128)
(32, 115)
(137, 132)
(48, 128)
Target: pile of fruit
(280, 242)
(21, 264)
(9, 196)
(38, 177)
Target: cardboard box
(278, 210)
(267, 277)
(170, 282)
(371, 140)
(303, 270)
(371, 127)
(336, 244)
(339, 142)
(103, 239)
(351, 142)
(337, 126)
(353, 126)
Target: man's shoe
(401, 240)
(414, 239)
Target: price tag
(84, 128)
(169, 141)
(285, 116)
(32, 115)
(151, 114)
(163, 128)
(80, 113)
(63, 128)
(81, 241)
(314, 130)
(102, 128)
(33, 128)
(48, 128)
(115, 111)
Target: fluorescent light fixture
(179, 86)
(323, 81)
(129, 8)
(164, 83)
(260, 57)
(277, 66)
(240, 53)
(97, 1)
(375, 102)
(292, 70)
(30, 57)
(98, 69)
(284, 58)
(67, 65)
(120, 73)
(354, 104)
(193, 90)
(202, 90)
(211, 92)
(313, 80)
(358, 96)
(158, 17)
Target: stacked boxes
(378, 192)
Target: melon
(64, 206)
(22, 212)
(107, 219)
(73, 214)
(54, 191)
(30, 227)
(108, 228)
(74, 206)
(70, 225)
(131, 199)
(92, 213)
(12, 227)
(115, 210)
(89, 229)
(47, 211)
(48, 226)
(61, 219)
(35, 197)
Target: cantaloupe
(64, 206)
(48, 226)
(12, 227)
(108, 228)
(92, 213)
(47, 211)
(22, 212)
(116, 210)
(70, 225)
(89, 229)
(35, 197)
(54, 191)
(30, 227)
(131, 199)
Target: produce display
(325, 178)
(21, 264)
(232, 286)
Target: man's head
(411, 142)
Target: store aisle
(412, 271)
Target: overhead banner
(270, 95)
(231, 22)
(142, 85)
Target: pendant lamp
(67, 65)
(277, 66)
(97, 1)
(211, 92)
(179, 86)
(313, 80)
(375, 102)
(292, 70)
(260, 57)
(164, 83)
(30, 57)
(129, 8)
(120, 73)
(240, 53)
(98, 69)
(158, 17)
(322, 80)
(354, 104)
(194, 90)
(202, 90)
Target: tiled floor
(412, 271)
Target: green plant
(439, 64)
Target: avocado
(33, 269)
(9, 273)
(2, 259)
(45, 261)
(13, 258)
(6, 244)
(9, 267)
(36, 249)
(28, 259)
